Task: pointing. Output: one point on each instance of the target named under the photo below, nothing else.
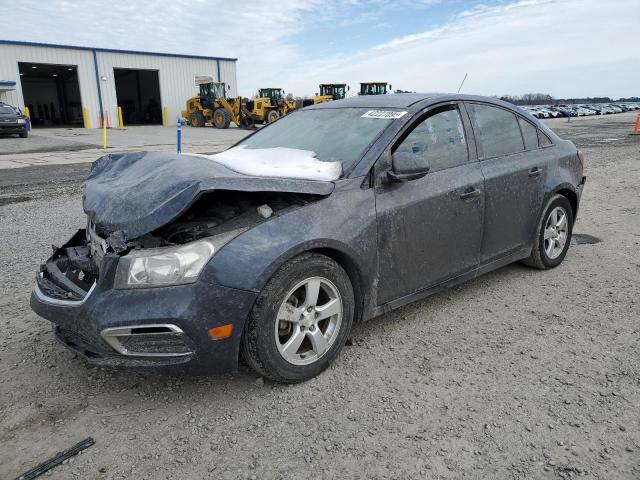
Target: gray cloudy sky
(561, 47)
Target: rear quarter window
(530, 134)
(496, 129)
(543, 139)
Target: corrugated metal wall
(176, 75)
(10, 55)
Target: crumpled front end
(167, 327)
(132, 288)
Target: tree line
(546, 99)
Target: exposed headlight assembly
(159, 267)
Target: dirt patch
(584, 239)
(10, 200)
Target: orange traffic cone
(637, 127)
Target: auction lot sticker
(384, 114)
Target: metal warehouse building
(64, 85)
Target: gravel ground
(518, 374)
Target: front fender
(344, 222)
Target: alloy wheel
(556, 232)
(308, 321)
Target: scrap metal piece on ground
(57, 459)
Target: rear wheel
(300, 321)
(221, 118)
(553, 235)
(272, 116)
(197, 119)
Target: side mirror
(407, 166)
(228, 87)
(348, 88)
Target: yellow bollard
(85, 117)
(120, 122)
(165, 116)
(104, 134)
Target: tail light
(581, 157)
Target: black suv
(12, 121)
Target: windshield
(373, 89)
(212, 90)
(333, 134)
(274, 93)
(4, 110)
(338, 92)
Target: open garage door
(138, 93)
(52, 94)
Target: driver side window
(438, 142)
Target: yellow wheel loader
(328, 92)
(374, 88)
(270, 105)
(213, 107)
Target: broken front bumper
(164, 327)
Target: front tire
(300, 321)
(221, 118)
(553, 235)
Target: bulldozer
(374, 88)
(212, 106)
(328, 92)
(270, 105)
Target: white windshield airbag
(278, 162)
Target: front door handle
(535, 172)
(470, 194)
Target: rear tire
(221, 118)
(197, 119)
(272, 116)
(553, 235)
(288, 336)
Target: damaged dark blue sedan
(332, 215)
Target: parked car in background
(12, 121)
(566, 110)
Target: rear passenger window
(438, 141)
(543, 139)
(497, 130)
(530, 134)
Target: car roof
(410, 101)
(400, 100)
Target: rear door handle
(469, 194)
(535, 172)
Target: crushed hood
(137, 193)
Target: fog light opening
(148, 341)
